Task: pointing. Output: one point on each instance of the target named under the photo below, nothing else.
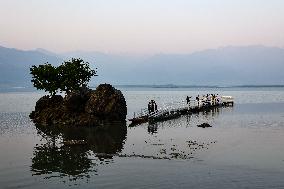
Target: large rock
(107, 103)
(47, 102)
(85, 107)
(76, 101)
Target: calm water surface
(243, 149)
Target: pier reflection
(152, 128)
(76, 152)
(191, 120)
(213, 112)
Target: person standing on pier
(197, 99)
(213, 99)
(152, 106)
(149, 107)
(155, 106)
(218, 99)
(188, 101)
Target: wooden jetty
(176, 109)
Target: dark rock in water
(203, 125)
(107, 102)
(85, 107)
(76, 101)
(47, 102)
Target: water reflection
(76, 152)
(213, 112)
(204, 116)
(209, 115)
(152, 128)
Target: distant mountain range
(15, 64)
(251, 65)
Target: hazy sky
(140, 26)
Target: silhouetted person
(213, 99)
(153, 106)
(197, 99)
(218, 99)
(149, 107)
(187, 99)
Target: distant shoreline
(199, 86)
(168, 86)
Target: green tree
(68, 77)
(74, 74)
(45, 77)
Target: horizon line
(38, 49)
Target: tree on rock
(68, 77)
(46, 77)
(74, 74)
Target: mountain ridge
(231, 65)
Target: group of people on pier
(200, 101)
(205, 100)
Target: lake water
(243, 149)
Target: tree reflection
(72, 161)
(57, 158)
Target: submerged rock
(203, 125)
(85, 107)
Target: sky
(140, 26)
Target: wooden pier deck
(176, 109)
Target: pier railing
(176, 106)
(167, 108)
(143, 112)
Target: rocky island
(85, 107)
(81, 106)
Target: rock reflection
(76, 152)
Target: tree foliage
(74, 74)
(45, 77)
(68, 77)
